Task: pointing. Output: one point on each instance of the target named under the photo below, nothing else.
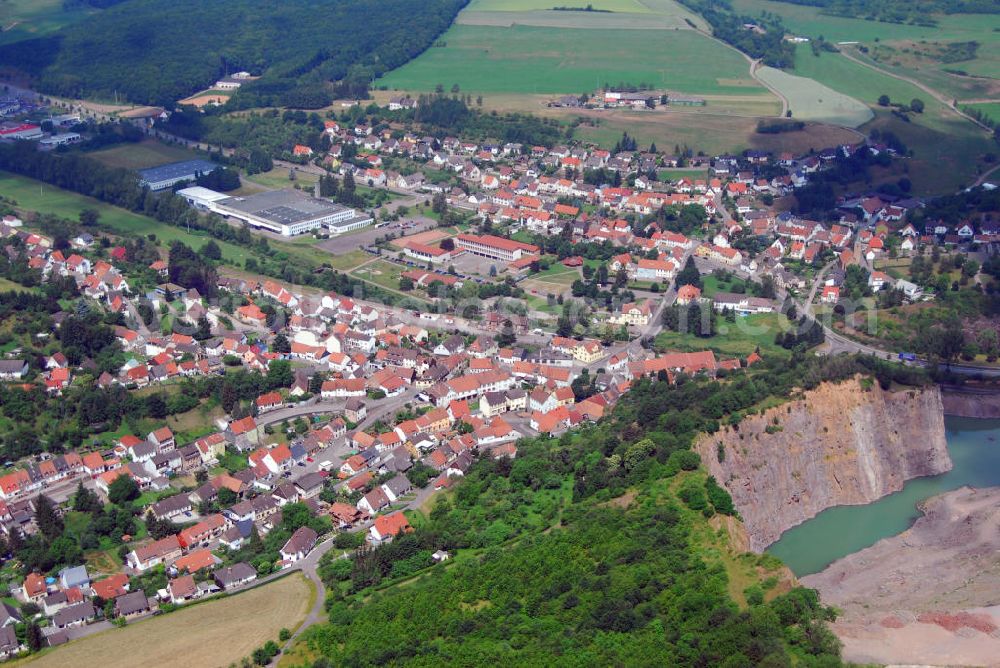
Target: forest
(585, 548)
(766, 44)
(305, 51)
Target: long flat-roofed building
(285, 212)
(495, 247)
(165, 176)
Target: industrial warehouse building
(165, 176)
(285, 212)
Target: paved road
(838, 343)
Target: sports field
(810, 100)
(215, 633)
(532, 60)
(148, 153)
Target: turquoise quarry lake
(974, 446)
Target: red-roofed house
(389, 526)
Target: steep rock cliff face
(970, 402)
(842, 444)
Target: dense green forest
(766, 44)
(593, 548)
(154, 52)
(900, 11)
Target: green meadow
(809, 22)
(27, 19)
(526, 59)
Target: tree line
(307, 52)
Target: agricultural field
(533, 60)
(707, 132)
(214, 633)
(144, 154)
(608, 14)
(27, 19)
(810, 100)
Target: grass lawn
(103, 561)
(381, 273)
(737, 339)
(678, 174)
(149, 153)
(277, 178)
(214, 633)
(6, 284)
(348, 261)
(527, 59)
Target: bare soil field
(202, 99)
(215, 633)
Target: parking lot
(367, 236)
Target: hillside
(607, 546)
(153, 52)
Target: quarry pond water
(974, 446)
